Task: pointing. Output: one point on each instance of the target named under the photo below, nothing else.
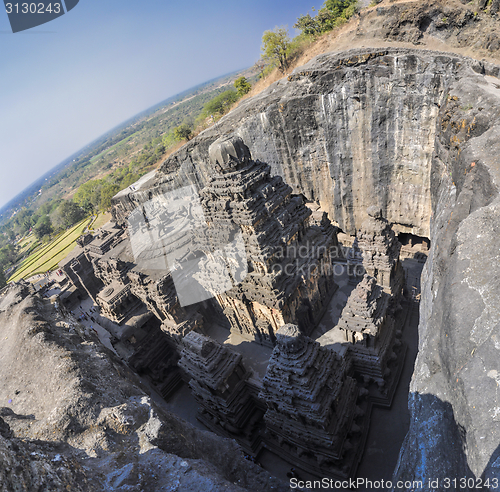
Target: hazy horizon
(110, 130)
(68, 82)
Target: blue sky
(67, 82)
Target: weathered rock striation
(339, 130)
(454, 388)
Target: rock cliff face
(459, 23)
(416, 134)
(347, 131)
(455, 431)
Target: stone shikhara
(289, 249)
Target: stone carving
(218, 382)
(78, 268)
(155, 357)
(79, 265)
(354, 259)
(104, 240)
(289, 277)
(111, 270)
(380, 250)
(374, 338)
(278, 253)
(117, 301)
(312, 416)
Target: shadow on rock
(434, 454)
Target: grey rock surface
(416, 134)
(348, 131)
(456, 426)
(73, 415)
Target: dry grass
(347, 37)
(102, 219)
(168, 153)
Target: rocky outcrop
(78, 418)
(416, 134)
(471, 25)
(27, 466)
(454, 391)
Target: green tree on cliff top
(275, 47)
(242, 86)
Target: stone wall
(347, 131)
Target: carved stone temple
(250, 350)
(218, 380)
(380, 250)
(289, 276)
(312, 413)
(115, 299)
(377, 353)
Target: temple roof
(303, 379)
(207, 361)
(366, 307)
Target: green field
(47, 257)
(28, 242)
(109, 149)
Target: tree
(8, 256)
(88, 195)
(275, 47)
(308, 25)
(108, 191)
(23, 220)
(48, 207)
(242, 86)
(333, 13)
(183, 132)
(3, 281)
(221, 103)
(43, 227)
(338, 8)
(11, 235)
(67, 214)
